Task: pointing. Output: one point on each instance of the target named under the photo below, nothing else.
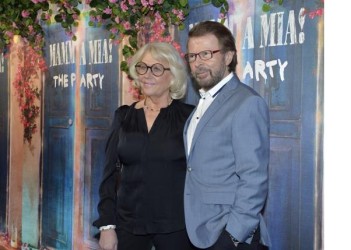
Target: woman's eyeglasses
(157, 69)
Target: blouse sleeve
(108, 186)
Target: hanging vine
(30, 65)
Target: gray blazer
(227, 179)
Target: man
(227, 143)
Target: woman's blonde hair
(163, 52)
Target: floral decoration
(30, 64)
(24, 18)
(132, 18)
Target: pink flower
(69, 33)
(47, 16)
(9, 33)
(116, 42)
(131, 2)
(126, 25)
(67, 5)
(108, 10)
(25, 13)
(112, 1)
(92, 18)
(124, 6)
(158, 15)
(221, 15)
(319, 12)
(114, 30)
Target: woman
(147, 143)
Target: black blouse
(150, 194)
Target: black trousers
(225, 242)
(166, 241)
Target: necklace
(154, 109)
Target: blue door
(98, 104)
(4, 100)
(289, 55)
(57, 175)
(80, 99)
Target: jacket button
(189, 169)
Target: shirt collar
(215, 89)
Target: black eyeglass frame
(150, 67)
(199, 54)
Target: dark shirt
(150, 193)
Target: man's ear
(229, 57)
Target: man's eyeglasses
(157, 69)
(204, 55)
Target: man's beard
(215, 77)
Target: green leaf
(64, 25)
(280, 2)
(266, 7)
(74, 2)
(216, 3)
(130, 32)
(181, 26)
(183, 3)
(45, 6)
(133, 41)
(76, 10)
(69, 19)
(105, 16)
(124, 66)
(58, 18)
(226, 6)
(127, 51)
(94, 3)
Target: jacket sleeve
(108, 186)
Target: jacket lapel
(227, 91)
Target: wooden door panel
(283, 203)
(95, 145)
(58, 190)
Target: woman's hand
(108, 240)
